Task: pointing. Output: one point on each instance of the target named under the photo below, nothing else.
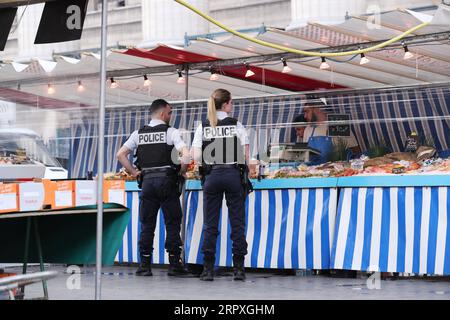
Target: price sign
(339, 130)
(411, 144)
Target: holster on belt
(180, 183)
(140, 179)
(245, 180)
(203, 171)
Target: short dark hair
(157, 105)
(299, 118)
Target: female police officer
(220, 142)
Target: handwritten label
(339, 130)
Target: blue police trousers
(219, 182)
(160, 192)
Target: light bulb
(408, 54)
(114, 84)
(364, 59)
(249, 72)
(180, 79)
(80, 87)
(50, 89)
(214, 76)
(324, 65)
(147, 81)
(286, 68)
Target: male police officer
(158, 146)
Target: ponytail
(215, 102)
(212, 112)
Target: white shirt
(322, 130)
(173, 137)
(241, 132)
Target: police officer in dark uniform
(220, 144)
(158, 147)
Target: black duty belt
(224, 166)
(158, 172)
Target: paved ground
(119, 283)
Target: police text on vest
(152, 138)
(219, 132)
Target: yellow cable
(301, 52)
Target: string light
(180, 79)
(147, 81)
(408, 54)
(364, 59)
(286, 68)
(249, 72)
(114, 84)
(80, 87)
(50, 89)
(324, 65)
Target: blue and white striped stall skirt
(404, 229)
(289, 228)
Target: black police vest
(153, 150)
(221, 144)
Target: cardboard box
(114, 191)
(85, 193)
(31, 196)
(49, 193)
(63, 194)
(9, 197)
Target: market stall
(366, 222)
(304, 216)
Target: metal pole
(101, 152)
(183, 192)
(186, 97)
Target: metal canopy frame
(418, 39)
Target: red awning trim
(169, 55)
(268, 77)
(277, 79)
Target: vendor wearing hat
(315, 133)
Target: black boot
(208, 269)
(145, 267)
(176, 267)
(239, 271)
